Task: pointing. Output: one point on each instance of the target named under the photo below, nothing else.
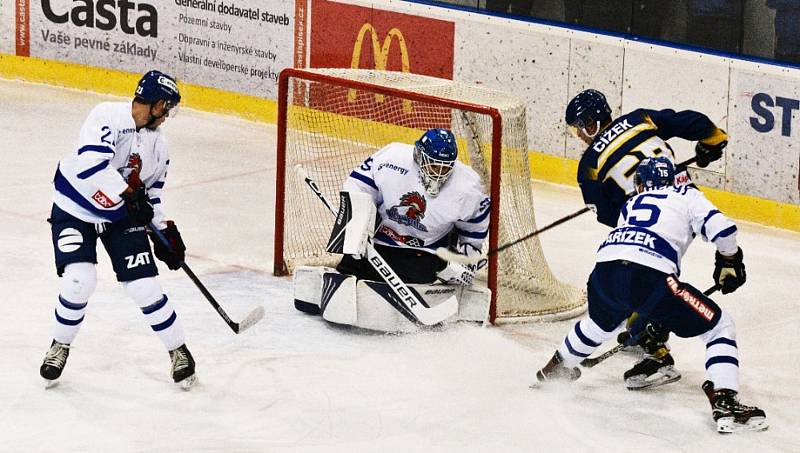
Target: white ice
(293, 383)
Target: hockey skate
(556, 371)
(183, 367)
(54, 362)
(731, 415)
(657, 367)
(652, 371)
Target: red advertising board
(350, 36)
(22, 11)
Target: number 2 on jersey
(105, 136)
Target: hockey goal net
(331, 120)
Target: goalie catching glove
(174, 255)
(457, 274)
(729, 272)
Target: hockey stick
(255, 316)
(590, 362)
(424, 314)
(449, 255)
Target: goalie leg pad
(342, 299)
(378, 308)
(473, 303)
(338, 304)
(308, 288)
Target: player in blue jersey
(637, 271)
(108, 187)
(616, 146)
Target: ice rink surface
(295, 384)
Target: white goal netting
(336, 118)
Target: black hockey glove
(708, 153)
(729, 271)
(140, 211)
(173, 255)
(651, 338)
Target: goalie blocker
(343, 299)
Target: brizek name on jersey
(640, 240)
(610, 134)
(632, 237)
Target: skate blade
(48, 384)
(667, 375)
(728, 425)
(187, 383)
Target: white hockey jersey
(656, 227)
(90, 178)
(412, 218)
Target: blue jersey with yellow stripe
(606, 169)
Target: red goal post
(331, 120)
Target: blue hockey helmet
(653, 173)
(589, 107)
(435, 154)
(155, 86)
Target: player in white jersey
(615, 147)
(425, 199)
(637, 270)
(108, 187)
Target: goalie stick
(592, 361)
(449, 255)
(255, 316)
(424, 314)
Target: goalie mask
(435, 155)
(654, 173)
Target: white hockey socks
(78, 283)
(722, 355)
(158, 310)
(581, 342)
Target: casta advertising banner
(235, 45)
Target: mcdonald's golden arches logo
(380, 53)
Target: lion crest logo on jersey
(134, 166)
(410, 211)
(135, 162)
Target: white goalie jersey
(410, 217)
(90, 178)
(657, 226)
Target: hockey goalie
(395, 210)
